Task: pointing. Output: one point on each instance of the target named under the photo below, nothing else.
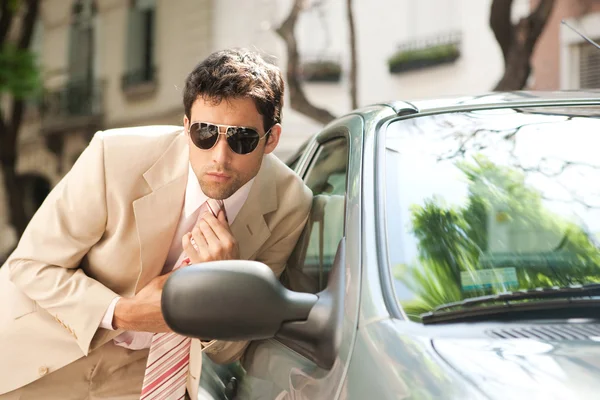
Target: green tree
(19, 80)
(550, 250)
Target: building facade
(562, 59)
(116, 63)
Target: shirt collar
(195, 197)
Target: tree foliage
(545, 249)
(19, 74)
(19, 80)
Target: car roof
(496, 99)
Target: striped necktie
(168, 359)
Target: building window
(79, 89)
(141, 24)
(81, 41)
(589, 67)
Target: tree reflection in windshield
(502, 237)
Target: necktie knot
(212, 205)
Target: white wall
(381, 25)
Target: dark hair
(237, 73)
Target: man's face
(220, 171)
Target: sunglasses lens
(242, 140)
(204, 135)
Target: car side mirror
(231, 300)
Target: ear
(186, 124)
(273, 138)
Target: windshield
(485, 202)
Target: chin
(218, 192)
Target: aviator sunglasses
(241, 140)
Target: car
(452, 252)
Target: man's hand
(213, 239)
(142, 312)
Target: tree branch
(4, 145)
(24, 42)
(353, 57)
(29, 23)
(523, 36)
(537, 21)
(6, 18)
(500, 22)
(10, 125)
(298, 100)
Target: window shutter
(589, 67)
(135, 32)
(140, 42)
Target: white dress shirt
(194, 198)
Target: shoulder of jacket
(289, 184)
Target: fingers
(222, 217)
(184, 263)
(211, 238)
(227, 242)
(191, 250)
(197, 240)
(220, 227)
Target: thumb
(222, 217)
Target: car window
(311, 261)
(487, 202)
(293, 161)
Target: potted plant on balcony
(408, 60)
(321, 71)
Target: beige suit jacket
(105, 230)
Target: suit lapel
(157, 213)
(249, 227)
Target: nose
(221, 153)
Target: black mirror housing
(231, 300)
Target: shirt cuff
(107, 320)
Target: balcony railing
(77, 102)
(426, 52)
(321, 68)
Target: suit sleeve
(275, 255)
(45, 264)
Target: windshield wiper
(466, 305)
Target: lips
(217, 177)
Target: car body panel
(502, 99)
(382, 354)
(526, 368)
(391, 363)
(372, 304)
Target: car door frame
(328, 383)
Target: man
(81, 293)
